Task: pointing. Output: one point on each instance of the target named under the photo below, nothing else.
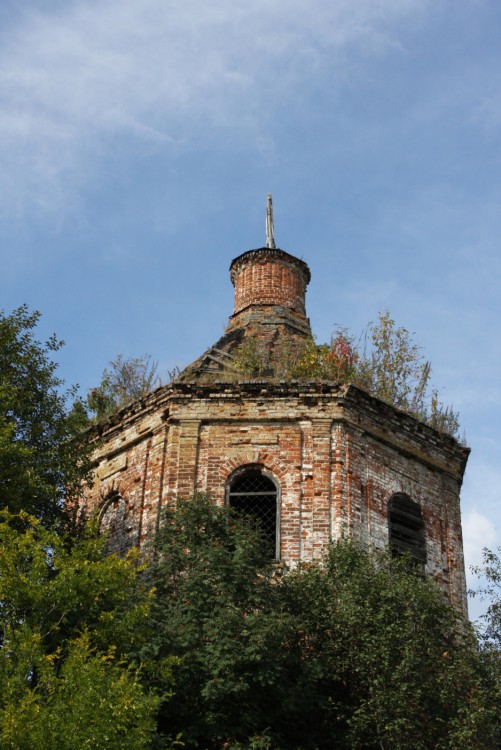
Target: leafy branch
(384, 361)
(122, 382)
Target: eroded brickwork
(269, 277)
(336, 454)
(269, 311)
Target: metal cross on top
(270, 238)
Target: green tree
(43, 456)
(123, 381)
(384, 361)
(358, 652)
(393, 368)
(69, 618)
(490, 590)
(91, 700)
(217, 610)
(386, 662)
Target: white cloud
(162, 73)
(478, 532)
(481, 503)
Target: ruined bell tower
(312, 461)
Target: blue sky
(138, 141)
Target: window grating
(406, 528)
(254, 494)
(116, 522)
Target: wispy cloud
(479, 532)
(162, 73)
(481, 501)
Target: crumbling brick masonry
(313, 461)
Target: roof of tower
(269, 320)
(268, 323)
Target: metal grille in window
(406, 528)
(116, 523)
(255, 495)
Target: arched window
(115, 521)
(254, 494)
(406, 528)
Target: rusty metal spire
(270, 238)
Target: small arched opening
(115, 521)
(406, 528)
(252, 492)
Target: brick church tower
(313, 461)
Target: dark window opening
(116, 522)
(254, 494)
(406, 528)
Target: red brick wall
(337, 455)
(269, 277)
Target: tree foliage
(216, 610)
(43, 457)
(388, 662)
(69, 617)
(123, 381)
(359, 652)
(490, 590)
(384, 361)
